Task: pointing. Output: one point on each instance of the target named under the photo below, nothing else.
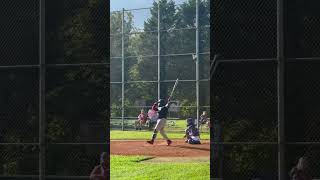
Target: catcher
(161, 122)
(192, 133)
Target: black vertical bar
(216, 141)
(42, 72)
(280, 76)
(212, 149)
(106, 15)
(213, 133)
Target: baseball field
(133, 158)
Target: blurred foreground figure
(100, 172)
(301, 171)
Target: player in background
(161, 122)
(203, 119)
(153, 115)
(142, 119)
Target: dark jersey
(163, 112)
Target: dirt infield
(160, 149)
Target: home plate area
(178, 148)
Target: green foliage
(10, 168)
(188, 111)
(172, 42)
(116, 30)
(19, 159)
(57, 129)
(115, 110)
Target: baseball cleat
(169, 142)
(150, 142)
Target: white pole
(197, 60)
(159, 49)
(122, 71)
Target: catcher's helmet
(161, 102)
(190, 122)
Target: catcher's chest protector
(193, 131)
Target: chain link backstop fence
(264, 91)
(152, 47)
(54, 90)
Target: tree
(76, 97)
(172, 42)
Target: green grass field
(144, 135)
(134, 167)
(174, 132)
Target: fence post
(158, 29)
(197, 59)
(122, 70)
(42, 73)
(280, 77)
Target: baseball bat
(174, 87)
